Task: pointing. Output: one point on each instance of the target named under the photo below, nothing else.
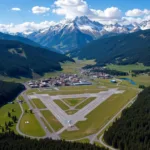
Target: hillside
(70, 34)
(131, 131)
(18, 59)
(8, 91)
(4, 36)
(122, 49)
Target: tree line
(9, 91)
(10, 141)
(132, 130)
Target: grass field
(128, 68)
(74, 101)
(61, 104)
(82, 105)
(56, 125)
(67, 92)
(142, 80)
(33, 128)
(89, 87)
(25, 106)
(4, 114)
(83, 141)
(100, 116)
(38, 103)
(71, 112)
(47, 125)
(70, 67)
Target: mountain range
(68, 35)
(121, 49)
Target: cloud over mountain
(40, 10)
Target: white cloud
(72, 8)
(137, 12)
(16, 9)
(26, 27)
(40, 10)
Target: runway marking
(67, 120)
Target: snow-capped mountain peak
(74, 33)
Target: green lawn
(71, 112)
(74, 101)
(33, 128)
(83, 141)
(100, 116)
(70, 67)
(38, 103)
(142, 80)
(47, 125)
(82, 105)
(79, 87)
(4, 114)
(61, 104)
(128, 68)
(67, 92)
(25, 106)
(56, 125)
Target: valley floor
(37, 118)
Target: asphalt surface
(67, 120)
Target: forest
(9, 91)
(18, 59)
(122, 49)
(132, 130)
(140, 71)
(10, 141)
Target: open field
(142, 80)
(70, 67)
(128, 68)
(38, 103)
(86, 102)
(71, 112)
(61, 104)
(33, 128)
(25, 106)
(4, 114)
(74, 101)
(75, 88)
(100, 116)
(53, 93)
(46, 125)
(83, 141)
(56, 125)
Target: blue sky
(26, 15)
(23, 15)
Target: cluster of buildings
(61, 80)
(96, 72)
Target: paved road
(18, 129)
(38, 116)
(105, 145)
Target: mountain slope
(8, 91)
(71, 34)
(18, 59)
(122, 49)
(4, 36)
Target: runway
(63, 117)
